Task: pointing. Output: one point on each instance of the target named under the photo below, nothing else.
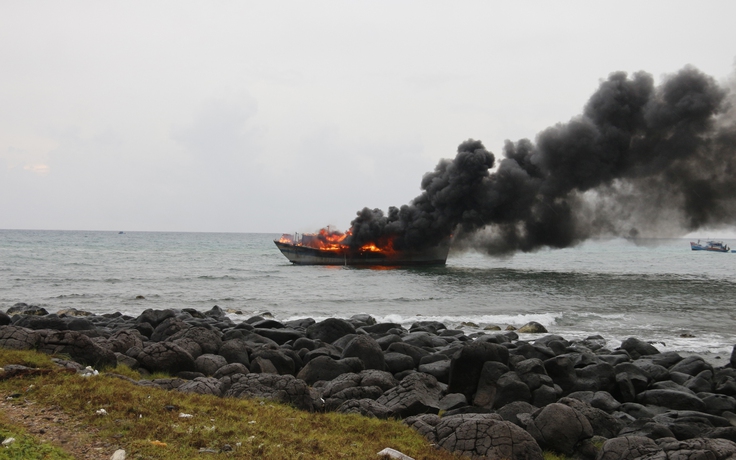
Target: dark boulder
(511, 411)
(209, 364)
(415, 352)
(167, 328)
(326, 368)
(280, 336)
(18, 338)
(367, 350)
(647, 428)
(5, 319)
(366, 407)
(510, 388)
(485, 436)
(637, 348)
(602, 423)
(692, 365)
(21, 308)
(559, 427)
(438, 369)
(629, 448)
(330, 330)
(467, 365)
(532, 327)
(283, 363)
(230, 369)
(398, 362)
(416, 394)
(165, 357)
(155, 317)
(671, 399)
(52, 322)
(203, 386)
(78, 346)
(209, 340)
(281, 388)
(235, 351)
(485, 394)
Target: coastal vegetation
(105, 413)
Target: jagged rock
(416, 394)
(18, 338)
(209, 364)
(203, 386)
(330, 330)
(282, 388)
(467, 365)
(559, 427)
(367, 350)
(326, 368)
(165, 357)
(485, 436)
(366, 407)
(78, 346)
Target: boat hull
(304, 255)
(710, 246)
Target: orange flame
(330, 240)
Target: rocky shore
(485, 395)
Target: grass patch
(25, 446)
(146, 421)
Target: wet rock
(532, 327)
(283, 363)
(510, 388)
(416, 353)
(692, 365)
(511, 411)
(559, 427)
(438, 369)
(453, 401)
(638, 348)
(485, 395)
(280, 336)
(167, 328)
(602, 423)
(37, 323)
(5, 319)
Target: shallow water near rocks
(659, 291)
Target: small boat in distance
(710, 245)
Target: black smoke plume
(641, 160)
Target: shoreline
(427, 375)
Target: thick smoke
(640, 161)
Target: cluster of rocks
(485, 395)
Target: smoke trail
(640, 160)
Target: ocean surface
(660, 291)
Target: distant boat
(121, 233)
(710, 245)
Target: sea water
(656, 290)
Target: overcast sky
(276, 116)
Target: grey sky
(284, 116)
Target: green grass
(25, 446)
(138, 422)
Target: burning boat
(330, 248)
